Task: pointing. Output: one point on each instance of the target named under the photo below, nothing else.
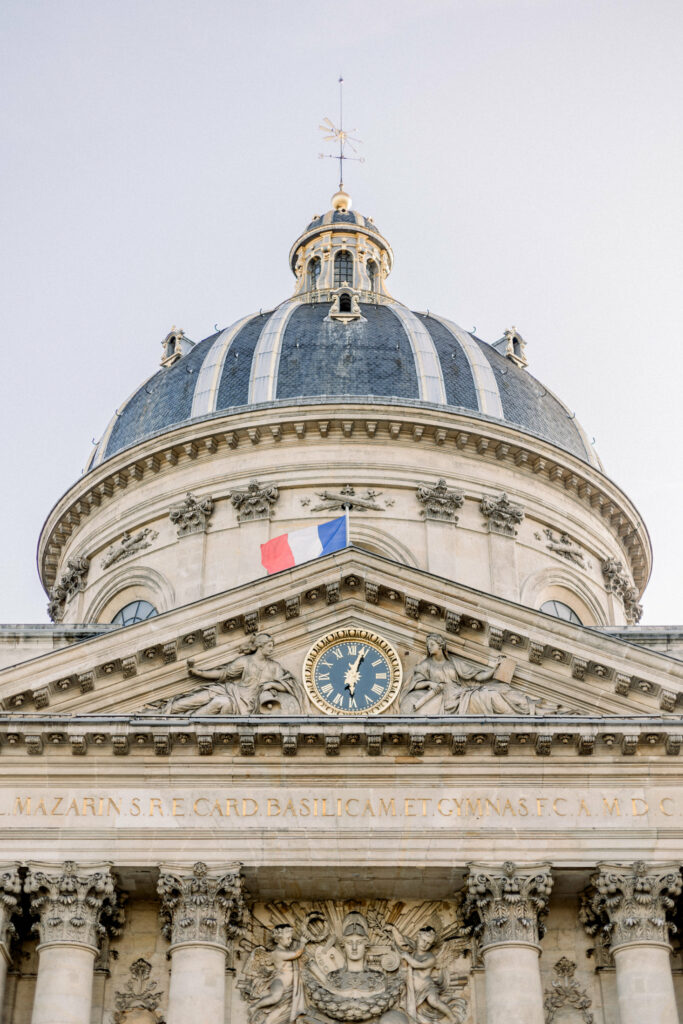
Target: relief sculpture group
(353, 966)
(440, 684)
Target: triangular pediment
(555, 665)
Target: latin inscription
(438, 808)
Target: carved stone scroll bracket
(565, 991)
(631, 903)
(503, 516)
(140, 994)
(256, 501)
(441, 502)
(10, 887)
(192, 514)
(73, 904)
(199, 905)
(507, 903)
(71, 582)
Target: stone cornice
(469, 433)
(347, 583)
(248, 736)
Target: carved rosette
(631, 903)
(199, 906)
(73, 904)
(441, 502)
(507, 904)
(503, 515)
(10, 886)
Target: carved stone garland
(618, 582)
(502, 514)
(441, 502)
(255, 501)
(566, 991)
(140, 994)
(507, 904)
(71, 583)
(77, 905)
(631, 903)
(192, 514)
(197, 906)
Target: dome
(342, 336)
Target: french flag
(303, 545)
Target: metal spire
(344, 138)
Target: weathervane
(344, 138)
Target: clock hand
(352, 673)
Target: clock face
(352, 672)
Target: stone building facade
(431, 778)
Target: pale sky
(523, 157)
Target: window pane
(343, 268)
(561, 611)
(136, 611)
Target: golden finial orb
(341, 200)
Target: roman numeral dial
(352, 672)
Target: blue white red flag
(302, 545)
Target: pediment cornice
(122, 670)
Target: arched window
(136, 611)
(344, 303)
(372, 275)
(313, 273)
(561, 611)
(343, 268)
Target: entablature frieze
(346, 586)
(391, 736)
(472, 435)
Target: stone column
(201, 911)
(10, 885)
(70, 903)
(630, 905)
(504, 906)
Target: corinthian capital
(200, 906)
(631, 902)
(507, 904)
(72, 903)
(10, 886)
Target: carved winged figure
(252, 683)
(272, 979)
(442, 684)
(428, 982)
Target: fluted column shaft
(10, 886)
(631, 904)
(69, 903)
(505, 905)
(201, 910)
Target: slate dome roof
(299, 353)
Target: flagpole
(348, 539)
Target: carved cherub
(426, 980)
(274, 979)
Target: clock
(352, 672)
